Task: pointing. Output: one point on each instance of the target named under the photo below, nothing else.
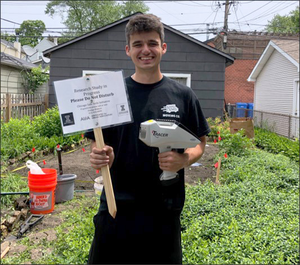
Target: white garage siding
(274, 87)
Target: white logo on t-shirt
(170, 108)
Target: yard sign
(94, 102)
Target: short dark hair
(144, 23)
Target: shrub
(218, 127)
(16, 137)
(48, 123)
(44, 133)
(236, 144)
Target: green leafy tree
(31, 32)
(84, 16)
(8, 37)
(34, 78)
(284, 24)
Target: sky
(191, 17)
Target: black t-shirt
(135, 171)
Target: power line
(10, 21)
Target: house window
(91, 72)
(184, 79)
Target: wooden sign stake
(4, 252)
(110, 197)
(218, 172)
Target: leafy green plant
(236, 144)
(218, 127)
(48, 123)
(15, 137)
(276, 144)
(34, 78)
(19, 136)
(252, 218)
(12, 183)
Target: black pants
(137, 236)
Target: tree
(34, 78)
(31, 32)
(84, 16)
(284, 24)
(8, 37)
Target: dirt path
(77, 162)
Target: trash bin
(250, 110)
(241, 109)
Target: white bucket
(98, 185)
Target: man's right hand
(101, 157)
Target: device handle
(166, 175)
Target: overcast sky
(188, 16)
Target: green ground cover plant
(276, 144)
(251, 218)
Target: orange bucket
(42, 191)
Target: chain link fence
(284, 125)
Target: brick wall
(237, 88)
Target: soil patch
(77, 162)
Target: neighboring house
(13, 62)
(36, 53)
(246, 48)
(11, 77)
(276, 77)
(187, 60)
(14, 49)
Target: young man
(147, 225)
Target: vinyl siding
(11, 81)
(275, 84)
(274, 91)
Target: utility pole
(227, 6)
(207, 33)
(225, 27)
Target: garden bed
(77, 162)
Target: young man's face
(145, 50)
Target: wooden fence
(20, 105)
